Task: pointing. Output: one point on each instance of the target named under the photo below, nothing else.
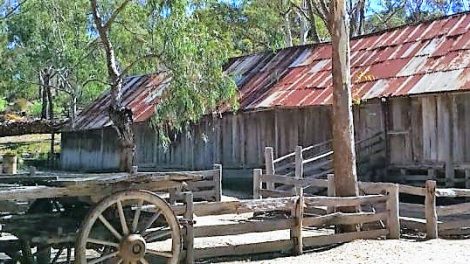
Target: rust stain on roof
(429, 57)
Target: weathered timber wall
(235, 140)
(433, 128)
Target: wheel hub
(133, 247)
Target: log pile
(25, 127)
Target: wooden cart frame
(98, 218)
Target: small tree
(162, 37)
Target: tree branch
(12, 11)
(133, 63)
(115, 14)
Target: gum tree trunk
(344, 157)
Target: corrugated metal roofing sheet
(429, 57)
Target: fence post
(218, 182)
(269, 160)
(430, 210)
(331, 192)
(393, 220)
(299, 169)
(32, 171)
(296, 231)
(257, 184)
(188, 245)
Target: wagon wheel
(120, 230)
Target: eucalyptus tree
(169, 38)
(49, 48)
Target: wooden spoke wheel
(129, 227)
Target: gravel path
(384, 251)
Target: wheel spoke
(155, 237)
(159, 253)
(122, 217)
(110, 227)
(135, 222)
(150, 222)
(103, 258)
(102, 242)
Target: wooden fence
(427, 217)
(316, 160)
(207, 189)
(373, 224)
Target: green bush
(3, 104)
(35, 109)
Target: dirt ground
(382, 251)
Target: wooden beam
(430, 210)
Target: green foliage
(35, 109)
(3, 104)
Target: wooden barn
(411, 83)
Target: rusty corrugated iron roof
(429, 57)
(139, 93)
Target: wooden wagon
(91, 218)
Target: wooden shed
(409, 83)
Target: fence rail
(297, 222)
(427, 217)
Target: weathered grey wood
(344, 218)
(413, 224)
(323, 240)
(269, 160)
(345, 201)
(412, 190)
(188, 244)
(276, 193)
(305, 182)
(331, 191)
(243, 227)
(299, 169)
(452, 192)
(447, 210)
(239, 207)
(454, 224)
(218, 182)
(296, 231)
(430, 210)
(392, 205)
(257, 184)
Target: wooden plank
(407, 189)
(296, 230)
(463, 208)
(245, 249)
(319, 157)
(218, 182)
(324, 240)
(257, 184)
(455, 224)
(374, 188)
(305, 182)
(188, 244)
(238, 207)
(275, 194)
(412, 210)
(344, 218)
(268, 159)
(331, 191)
(299, 169)
(452, 192)
(393, 209)
(243, 228)
(345, 201)
(413, 223)
(430, 210)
